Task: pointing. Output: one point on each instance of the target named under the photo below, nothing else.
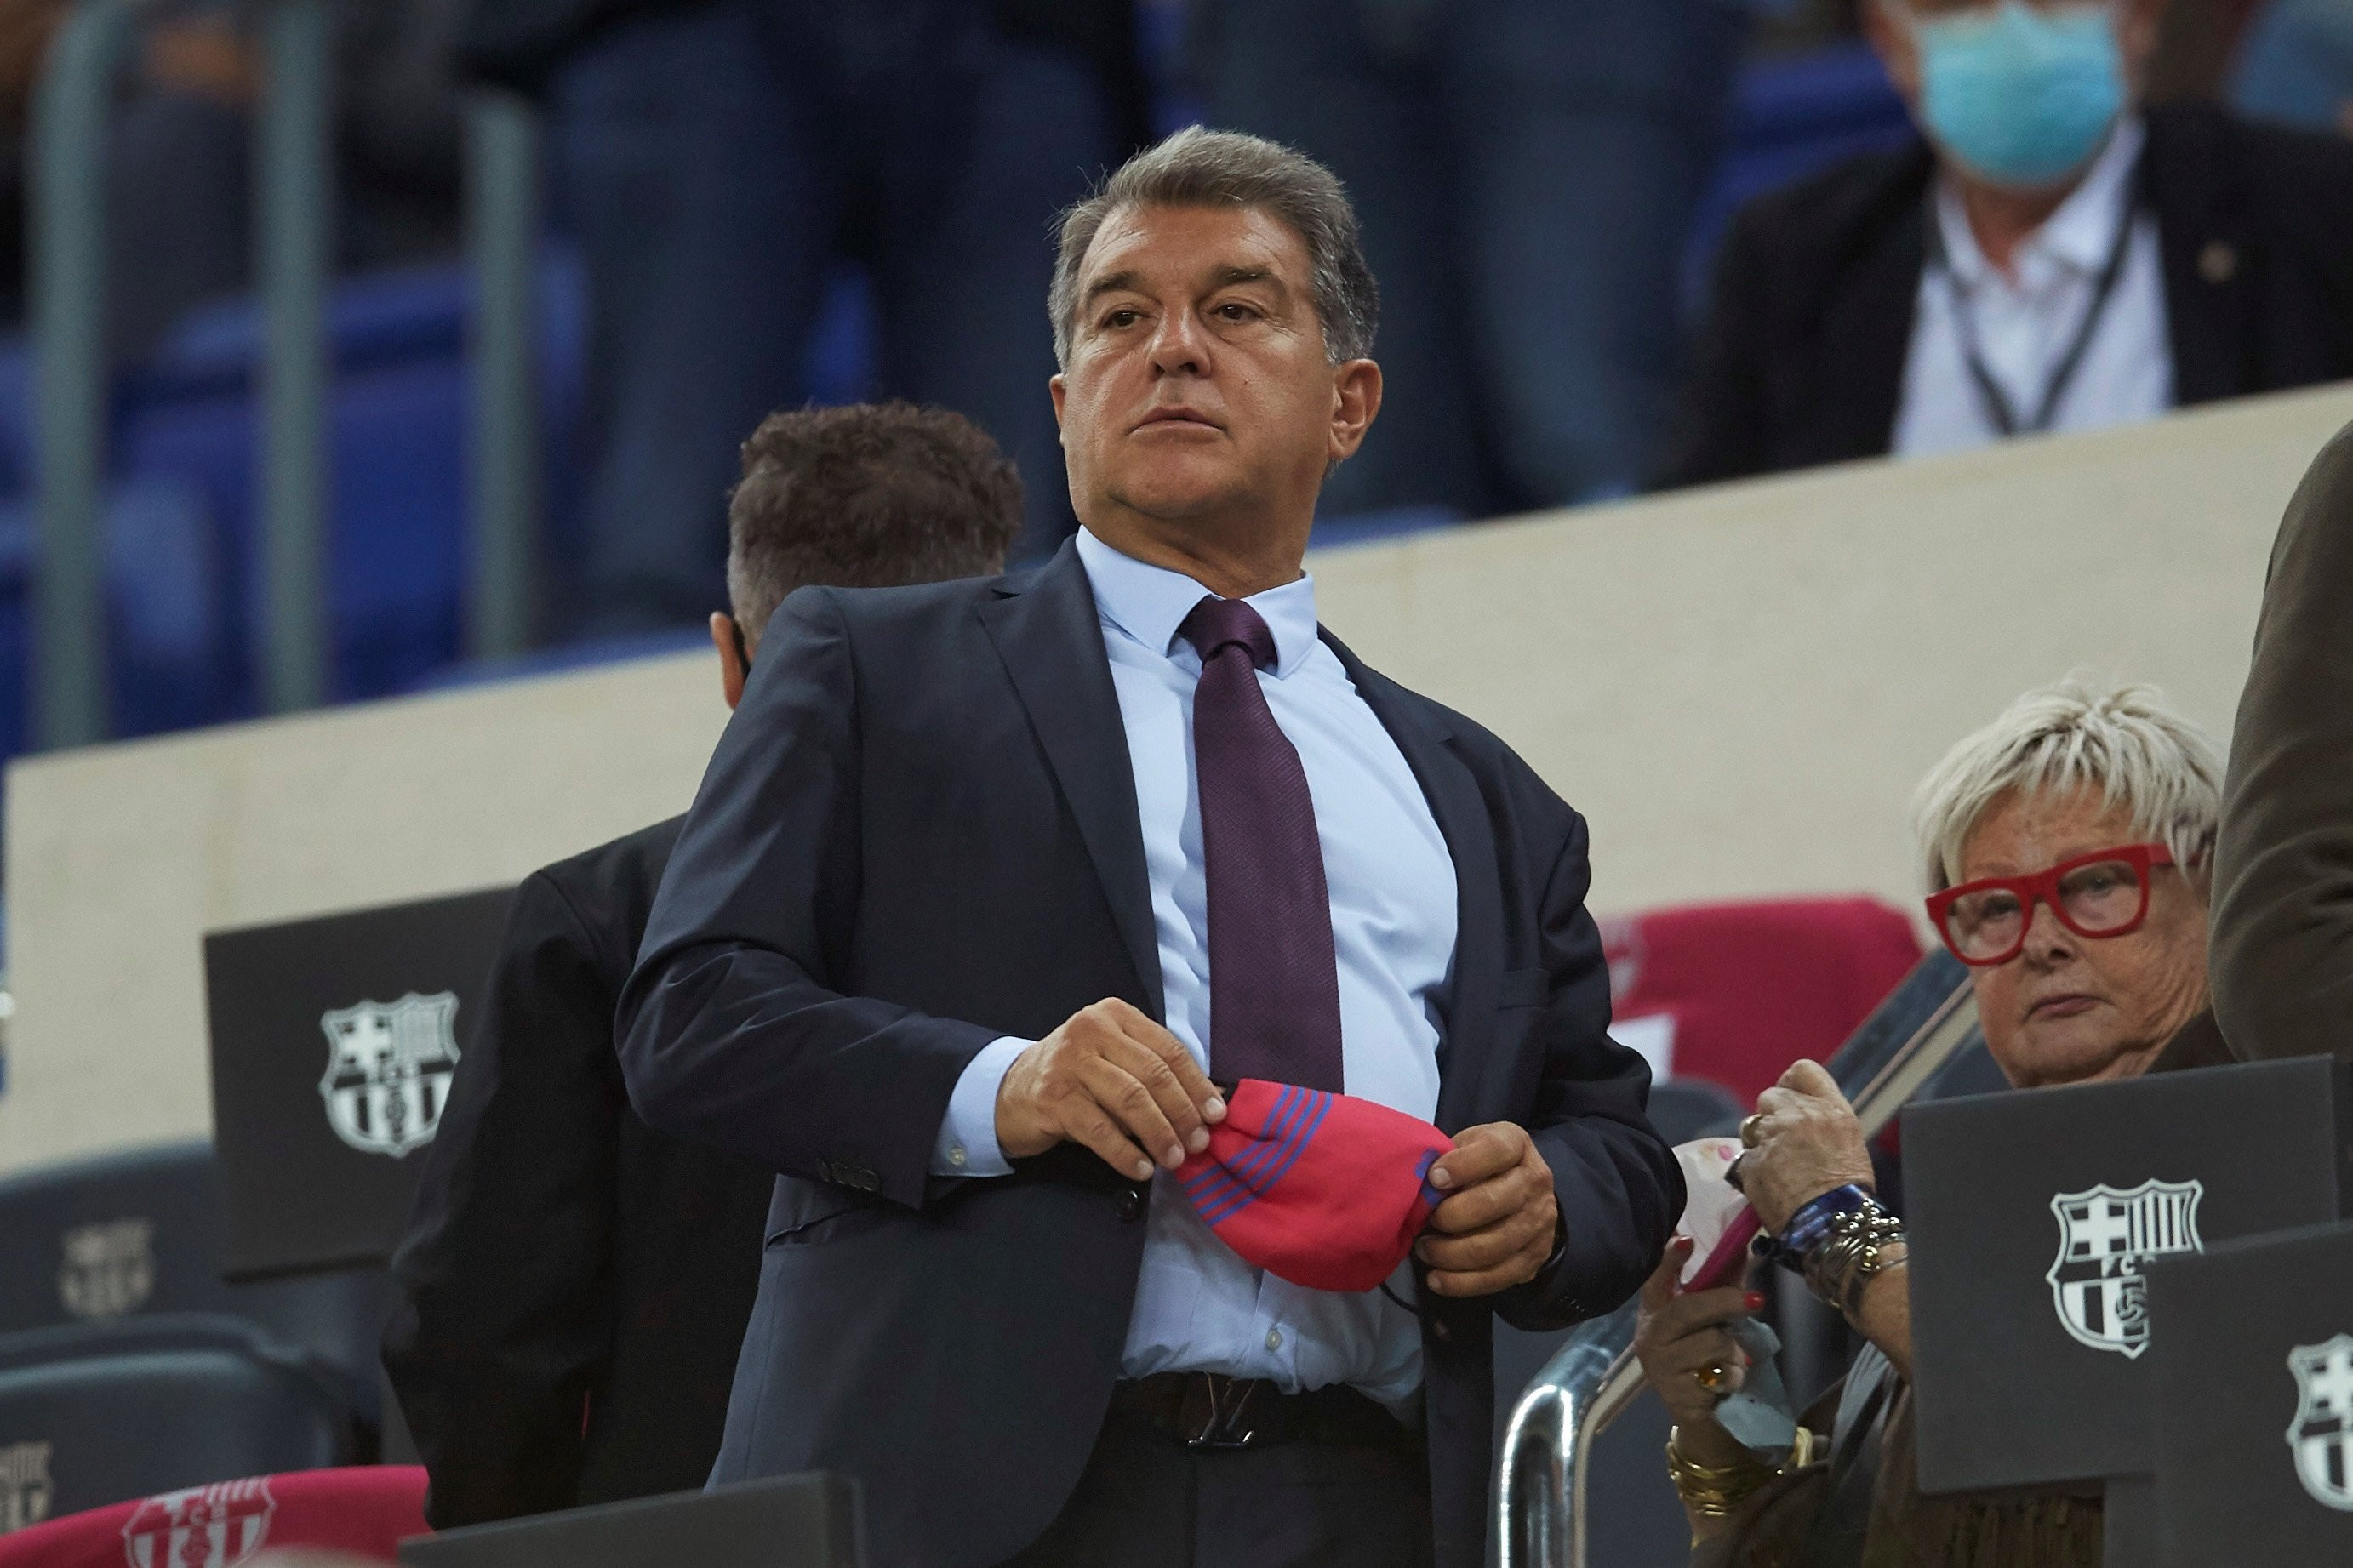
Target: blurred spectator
(715, 159)
(2295, 66)
(1525, 173)
(179, 189)
(2048, 257)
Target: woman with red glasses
(2066, 849)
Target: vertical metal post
(295, 198)
(68, 174)
(502, 185)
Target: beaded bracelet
(1811, 1223)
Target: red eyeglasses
(2104, 893)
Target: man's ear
(1355, 403)
(1891, 40)
(1058, 392)
(729, 641)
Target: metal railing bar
(68, 174)
(502, 182)
(294, 226)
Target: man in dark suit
(2281, 952)
(574, 1283)
(2043, 256)
(1065, 847)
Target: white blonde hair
(2079, 733)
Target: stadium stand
(184, 578)
(134, 1240)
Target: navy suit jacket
(919, 833)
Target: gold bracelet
(1710, 1492)
(1860, 1244)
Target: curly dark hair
(866, 496)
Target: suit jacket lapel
(1047, 632)
(1476, 983)
(1870, 258)
(2207, 258)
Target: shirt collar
(1148, 602)
(2077, 235)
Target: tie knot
(1216, 624)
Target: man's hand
(1808, 1142)
(1499, 1225)
(1114, 1081)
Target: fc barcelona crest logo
(2106, 1234)
(216, 1526)
(2321, 1436)
(25, 1488)
(388, 1067)
(109, 1268)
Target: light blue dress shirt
(1198, 1307)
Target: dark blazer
(2281, 951)
(562, 1256)
(1802, 363)
(965, 862)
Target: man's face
(1198, 384)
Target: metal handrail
(1540, 1484)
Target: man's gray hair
(2122, 740)
(1197, 168)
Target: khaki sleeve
(2282, 946)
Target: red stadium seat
(364, 1511)
(1733, 994)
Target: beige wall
(1737, 686)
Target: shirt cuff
(967, 1141)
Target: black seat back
(138, 1233)
(114, 1411)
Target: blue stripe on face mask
(2021, 96)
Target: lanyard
(1997, 410)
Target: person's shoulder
(1827, 210)
(607, 891)
(912, 604)
(2307, 172)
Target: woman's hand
(1678, 1337)
(1808, 1142)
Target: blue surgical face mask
(2019, 95)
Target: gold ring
(1750, 1129)
(1713, 1377)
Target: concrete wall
(1738, 686)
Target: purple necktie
(1274, 985)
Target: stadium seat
(120, 1410)
(396, 481)
(140, 1233)
(364, 1511)
(1735, 992)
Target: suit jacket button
(1131, 1203)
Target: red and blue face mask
(1326, 1191)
